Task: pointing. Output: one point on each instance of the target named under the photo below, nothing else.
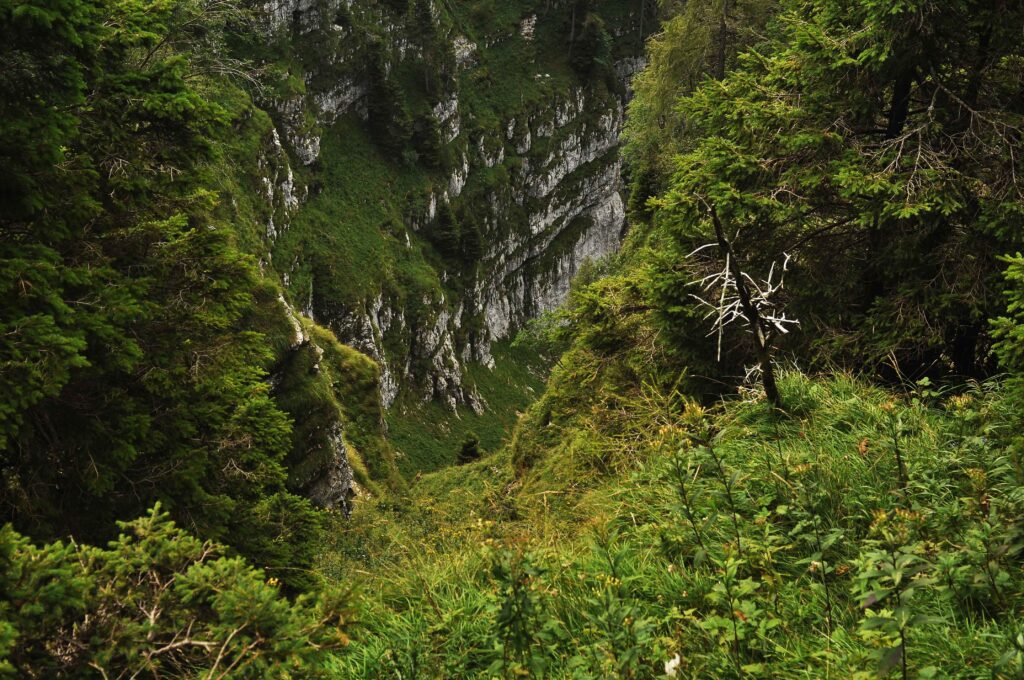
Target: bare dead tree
(731, 294)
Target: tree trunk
(980, 64)
(762, 337)
(723, 41)
(900, 106)
(643, 14)
(572, 29)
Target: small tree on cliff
(592, 47)
(470, 450)
(438, 58)
(389, 119)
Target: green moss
(309, 399)
(355, 382)
(233, 172)
(326, 387)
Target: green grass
(429, 436)
(355, 217)
(480, 573)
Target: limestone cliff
(436, 176)
(540, 180)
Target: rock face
(558, 202)
(321, 469)
(279, 191)
(334, 486)
(568, 209)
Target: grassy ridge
(813, 551)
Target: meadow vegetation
(863, 533)
(637, 502)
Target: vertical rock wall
(560, 205)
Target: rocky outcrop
(280, 194)
(574, 213)
(519, 292)
(320, 467)
(560, 206)
(334, 485)
(365, 329)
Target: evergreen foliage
(655, 512)
(699, 40)
(593, 47)
(131, 367)
(438, 62)
(470, 449)
(390, 122)
(155, 603)
(879, 156)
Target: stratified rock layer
(558, 205)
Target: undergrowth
(864, 533)
(429, 436)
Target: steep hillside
(865, 530)
(332, 343)
(452, 166)
(691, 496)
(391, 188)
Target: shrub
(156, 602)
(470, 450)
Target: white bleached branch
(720, 295)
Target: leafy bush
(470, 449)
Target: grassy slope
(355, 219)
(604, 540)
(430, 437)
(613, 577)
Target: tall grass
(745, 541)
